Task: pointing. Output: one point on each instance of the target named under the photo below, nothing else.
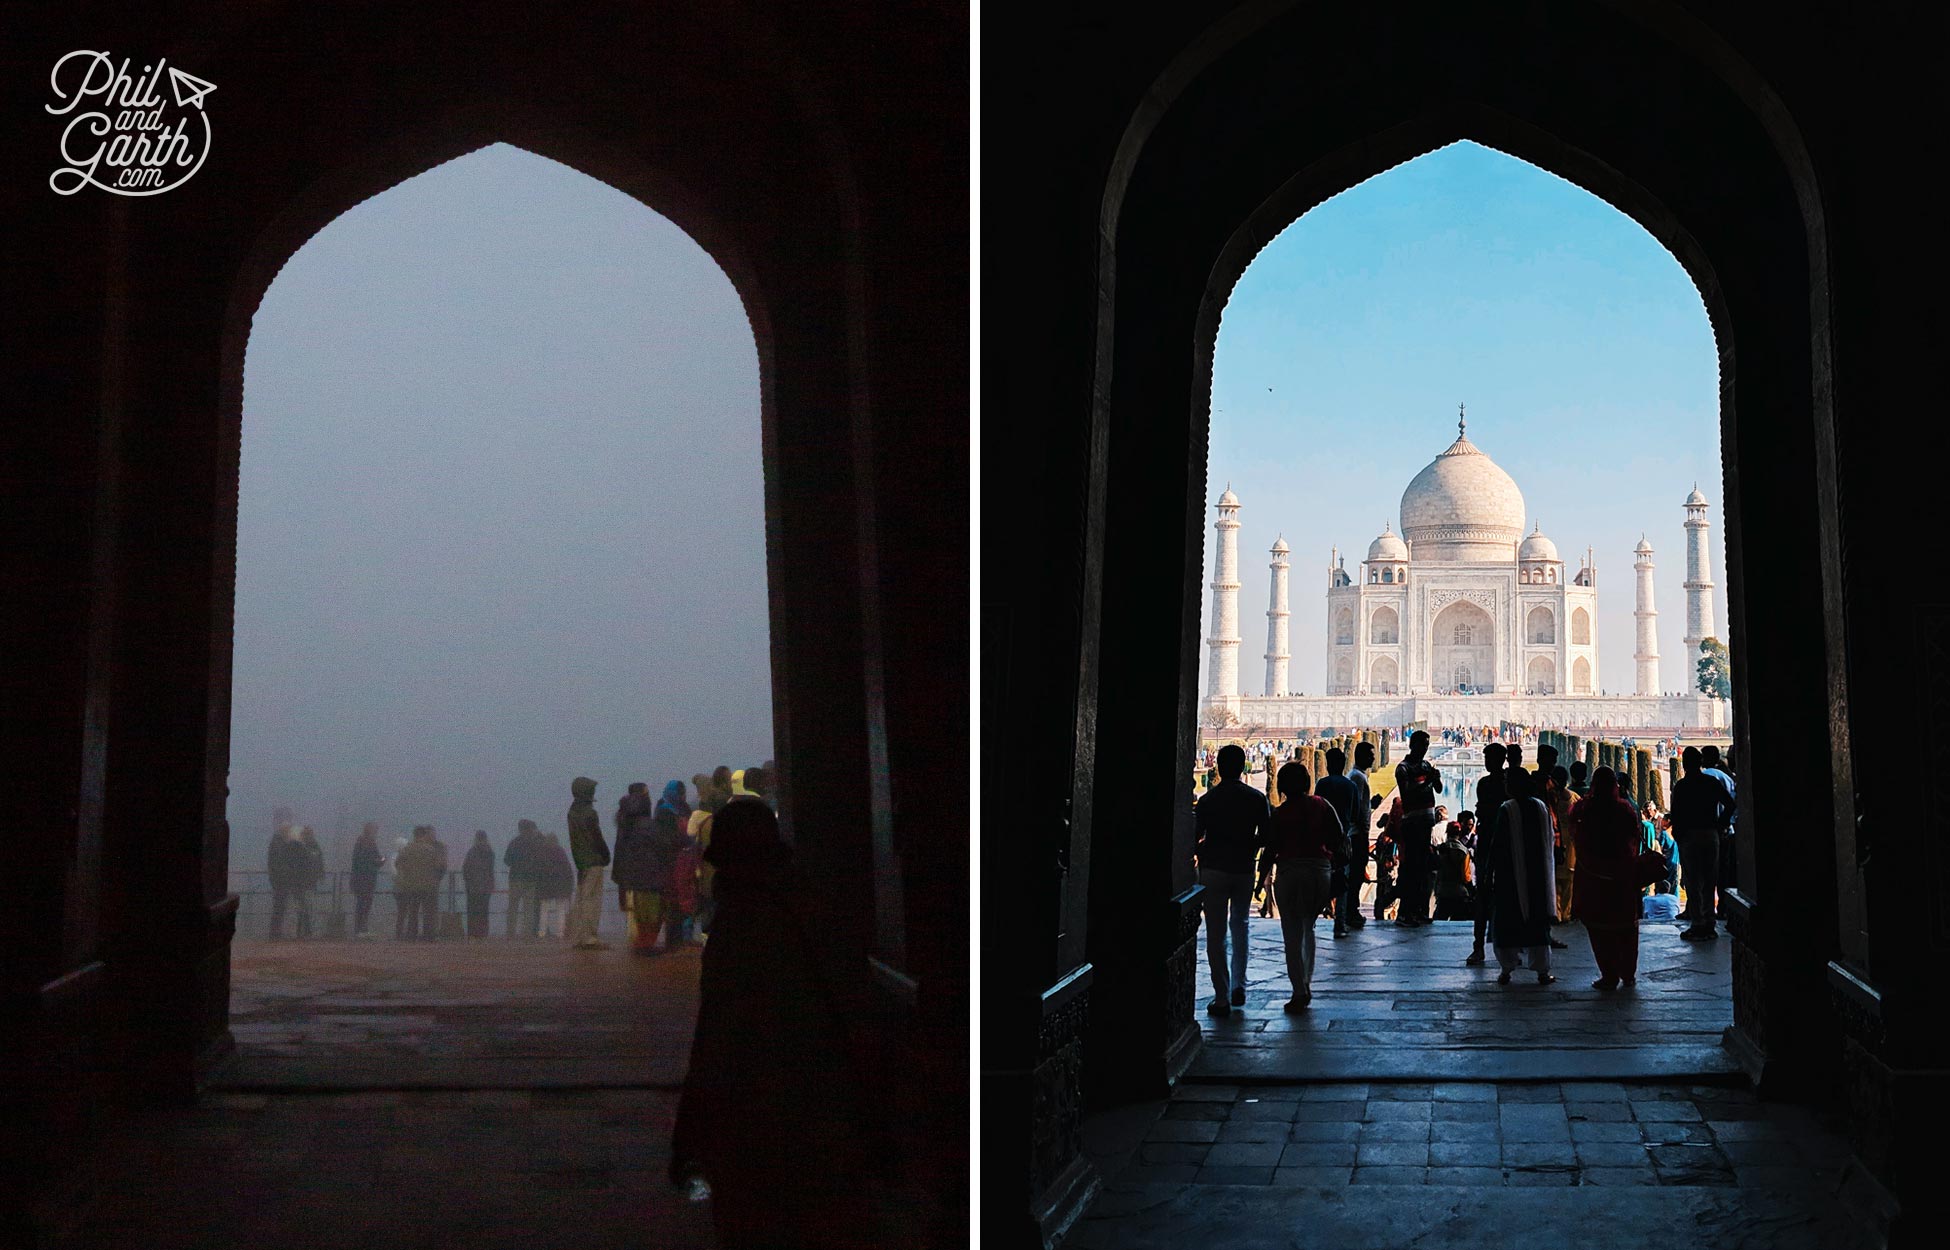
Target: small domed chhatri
(1460, 618)
(1537, 547)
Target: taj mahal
(1460, 619)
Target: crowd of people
(660, 866)
(1538, 847)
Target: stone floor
(508, 1095)
(1396, 1003)
(456, 1014)
(1416, 1103)
(1473, 1164)
(424, 1170)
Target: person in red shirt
(1305, 840)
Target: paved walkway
(456, 1014)
(514, 1095)
(1395, 1003)
(417, 1170)
(1417, 1103)
(1374, 1166)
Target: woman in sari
(1518, 870)
(1605, 894)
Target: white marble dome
(1695, 497)
(1537, 547)
(1228, 500)
(1388, 547)
(1463, 506)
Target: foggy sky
(501, 519)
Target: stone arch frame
(1344, 626)
(1540, 675)
(1776, 271)
(1580, 626)
(1581, 676)
(1344, 674)
(1540, 626)
(1384, 675)
(1384, 627)
(172, 673)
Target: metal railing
(332, 907)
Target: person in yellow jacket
(700, 831)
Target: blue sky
(502, 515)
(1578, 342)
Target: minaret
(1223, 680)
(1276, 621)
(1648, 619)
(1699, 579)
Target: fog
(501, 518)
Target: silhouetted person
(1341, 795)
(366, 863)
(1713, 766)
(555, 884)
(1556, 781)
(477, 874)
(1418, 782)
(702, 873)
(758, 783)
(1386, 853)
(314, 873)
(1490, 795)
(1580, 778)
(524, 901)
(1230, 824)
(1453, 900)
(1701, 808)
(1516, 869)
(417, 873)
(289, 867)
(720, 789)
(646, 857)
(1608, 835)
(701, 785)
(591, 855)
(1360, 822)
(762, 1114)
(1304, 840)
(635, 869)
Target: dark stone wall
(821, 157)
(1138, 156)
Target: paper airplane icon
(189, 89)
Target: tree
(1715, 670)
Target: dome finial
(1462, 422)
